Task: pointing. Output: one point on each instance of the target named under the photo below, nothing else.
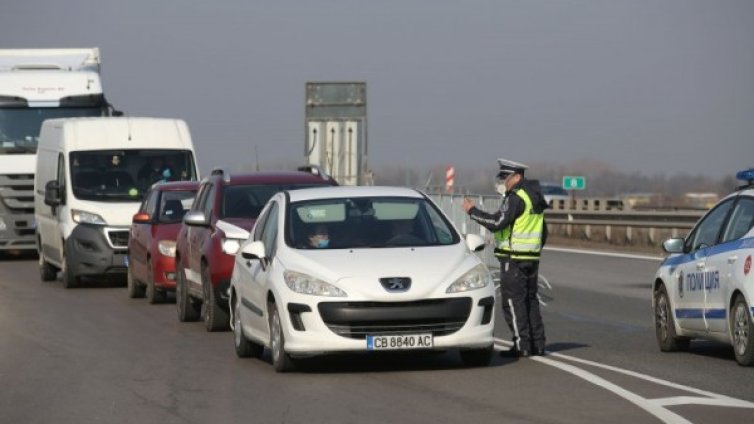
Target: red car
(151, 245)
(219, 220)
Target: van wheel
(244, 347)
(70, 280)
(135, 289)
(154, 295)
(665, 324)
(47, 272)
(184, 305)
(742, 332)
(281, 361)
(215, 319)
(477, 357)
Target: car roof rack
(314, 170)
(220, 171)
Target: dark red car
(219, 220)
(151, 245)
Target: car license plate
(397, 342)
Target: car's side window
(707, 232)
(150, 202)
(199, 201)
(209, 202)
(260, 225)
(741, 219)
(270, 231)
(61, 177)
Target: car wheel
(154, 295)
(742, 331)
(244, 347)
(70, 280)
(477, 357)
(280, 360)
(665, 324)
(134, 288)
(183, 304)
(215, 319)
(47, 272)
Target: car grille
(356, 320)
(118, 239)
(17, 208)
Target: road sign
(574, 183)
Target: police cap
(508, 167)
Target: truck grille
(17, 193)
(17, 226)
(356, 320)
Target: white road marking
(603, 253)
(657, 407)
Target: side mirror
(475, 242)
(195, 218)
(673, 245)
(253, 250)
(141, 218)
(52, 194)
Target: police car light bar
(746, 175)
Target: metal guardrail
(601, 223)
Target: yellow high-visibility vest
(523, 239)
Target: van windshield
(19, 127)
(125, 175)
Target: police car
(705, 287)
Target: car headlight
(84, 217)
(166, 248)
(231, 245)
(306, 284)
(476, 278)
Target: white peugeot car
(705, 287)
(359, 269)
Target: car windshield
(174, 204)
(376, 222)
(125, 175)
(19, 127)
(247, 201)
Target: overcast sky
(644, 85)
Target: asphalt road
(91, 354)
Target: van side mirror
(52, 194)
(196, 218)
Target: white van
(90, 179)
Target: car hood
(237, 228)
(358, 271)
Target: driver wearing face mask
(320, 237)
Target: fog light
(170, 276)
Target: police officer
(520, 233)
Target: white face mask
(500, 187)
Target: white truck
(37, 84)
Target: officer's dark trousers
(518, 288)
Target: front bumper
(313, 328)
(88, 252)
(163, 272)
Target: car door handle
(732, 259)
(700, 266)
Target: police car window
(741, 219)
(707, 232)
